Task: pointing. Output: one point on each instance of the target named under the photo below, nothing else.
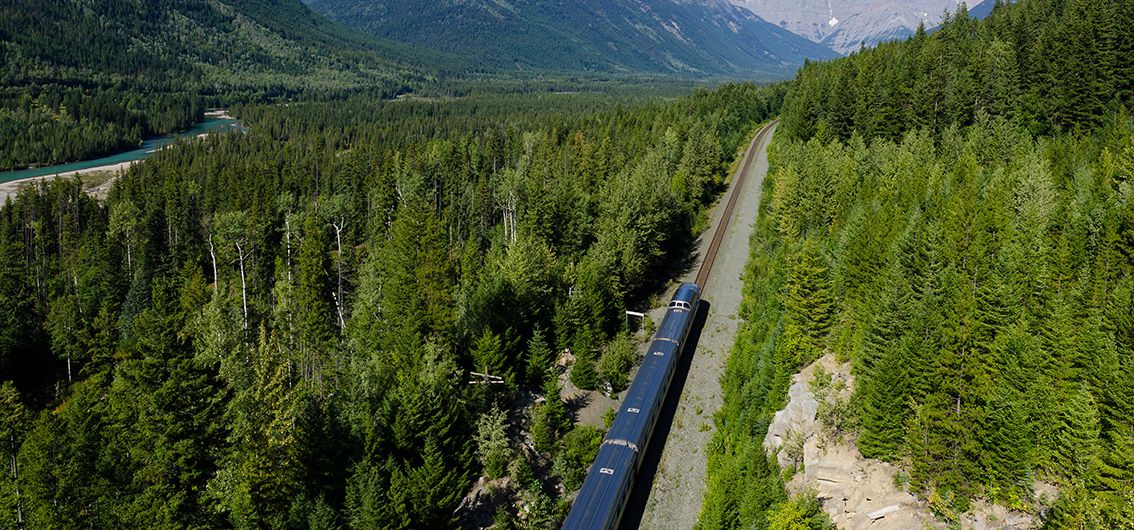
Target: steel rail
(750, 156)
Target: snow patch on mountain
(847, 25)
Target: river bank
(101, 172)
(96, 180)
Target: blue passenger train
(607, 486)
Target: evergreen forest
(83, 78)
(953, 215)
(295, 324)
(279, 328)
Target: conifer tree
(1085, 51)
(1006, 452)
(1075, 448)
(1000, 80)
(883, 395)
(492, 442)
(13, 427)
(809, 301)
(313, 301)
(1116, 462)
(549, 419)
(540, 358)
(259, 480)
(489, 357)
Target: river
(143, 151)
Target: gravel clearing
(671, 482)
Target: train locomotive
(607, 487)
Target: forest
(953, 215)
(277, 329)
(66, 125)
(84, 78)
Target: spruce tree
(540, 358)
(1006, 453)
(809, 301)
(1076, 438)
(313, 304)
(489, 357)
(13, 427)
(550, 418)
(883, 396)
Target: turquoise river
(147, 148)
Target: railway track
(741, 175)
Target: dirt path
(678, 486)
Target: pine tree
(883, 397)
(540, 358)
(809, 302)
(315, 326)
(13, 427)
(549, 419)
(489, 357)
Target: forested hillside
(954, 216)
(687, 38)
(85, 77)
(276, 329)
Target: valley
(428, 283)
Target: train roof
(673, 325)
(632, 423)
(609, 478)
(687, 292)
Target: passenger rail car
(603, 496)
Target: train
(602, 499)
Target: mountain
(982, 10)
(83, 78)
(847, 25)
(216, 45)
(695, 37)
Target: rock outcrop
(856, 492)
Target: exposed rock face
(856, 492)
(845, 25)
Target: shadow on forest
(648, 468)
(574, 404)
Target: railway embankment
(670, 495)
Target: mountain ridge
(686, 37)
(218, 44)
(847, 25)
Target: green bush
(615, 363)
(577, 451)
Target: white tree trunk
(16, 480)
(213, 254)
(339, 293)
(130, 253)
(287, 237)
(243, 284)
